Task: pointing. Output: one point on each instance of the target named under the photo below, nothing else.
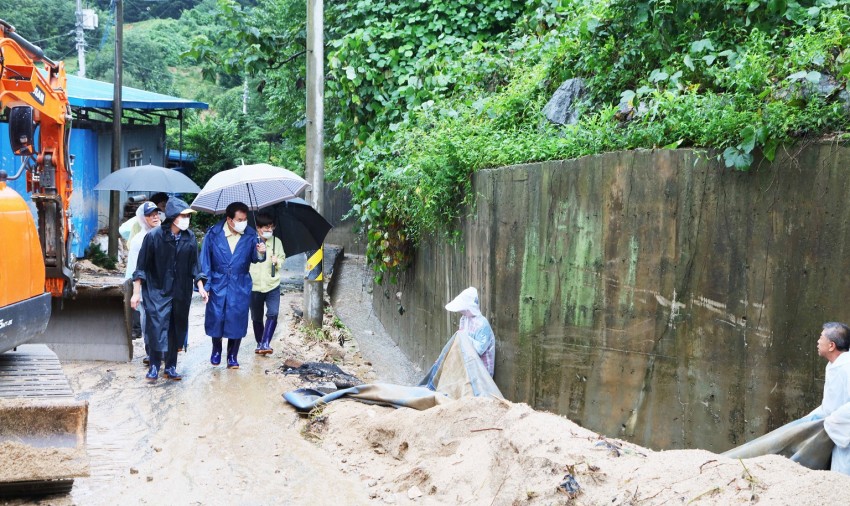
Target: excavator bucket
(42, 426)
(94, 325)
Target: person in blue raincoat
(229, 249)
(166, 271)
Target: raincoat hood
(466, 302)
(140, 216)
(174, 207)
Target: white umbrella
(259, 185)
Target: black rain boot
(155, 362)
(258, 334)
(215, 357)
(232, 353)
(268, 334)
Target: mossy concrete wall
(650, 295)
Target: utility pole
(314, 282)
(81, 41)
(117, 112)
(245, 95)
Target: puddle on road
(217, 437)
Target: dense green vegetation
(419, 95)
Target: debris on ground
(321, 372)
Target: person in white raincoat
(147, 218)
(473, 323)
(833, 344)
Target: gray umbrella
(148, 178)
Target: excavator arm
(37, 103)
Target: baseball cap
(149, 208)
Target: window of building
(134, 157)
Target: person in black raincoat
(166, 269)
(229, 249)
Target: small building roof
(83, 92)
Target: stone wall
(650, 295)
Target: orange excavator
(40, 421)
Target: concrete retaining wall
(650, 295)
(337, 205)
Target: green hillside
(419, 95)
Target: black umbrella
(298, 226)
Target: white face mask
(239, 226)
(161, 216)
(267, 235)
(182, 223)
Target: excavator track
(42, 426)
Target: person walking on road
(147, 216)
(166, 269)
(474, 324)
(265, 290)
(229, 248)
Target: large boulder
(561, 108)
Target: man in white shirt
(833, 344)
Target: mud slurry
(219, 436)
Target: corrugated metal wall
(84, 200)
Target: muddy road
(218, 436)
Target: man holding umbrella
(229, 249)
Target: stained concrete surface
(650, 295)
(351, 297)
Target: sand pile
(487, 451)
(23, 462)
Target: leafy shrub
(99, 257)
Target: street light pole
(314, 280)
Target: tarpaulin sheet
(804, 441)
(457, 373)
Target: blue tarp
(84, 92)
(83, 200)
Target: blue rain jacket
(228, 281)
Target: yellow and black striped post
(313, 268)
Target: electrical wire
(53, 37)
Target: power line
(53, 37)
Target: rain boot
(232, 353)
(155, 362)
(268, 334)
(215, 357)
(171, 373)
(258, 334)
